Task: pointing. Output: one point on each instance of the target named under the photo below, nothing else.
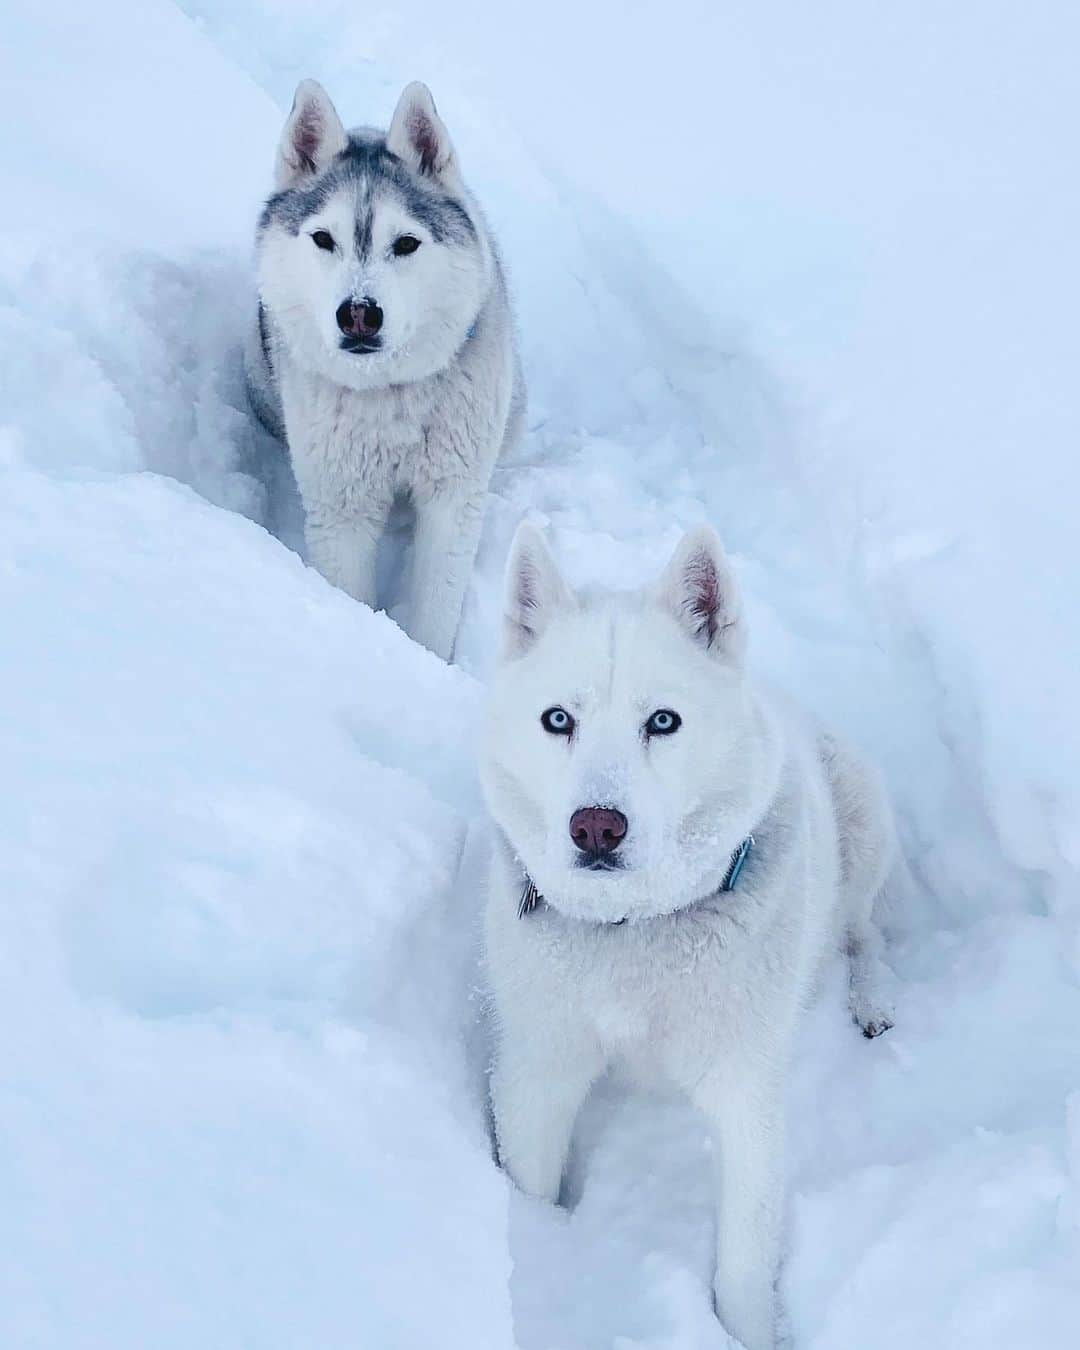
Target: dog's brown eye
(323, 239)
(405, 244)
(558, 721)
(663, 722)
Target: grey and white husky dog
(384, 347)
(677, 851)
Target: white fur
(427, 416)
(697, 988)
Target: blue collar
(738, 861)
(531, 899)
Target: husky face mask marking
(623, 763)
(370, 258)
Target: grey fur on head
(367, 166)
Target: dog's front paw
(872, 1015)
(876, 1026)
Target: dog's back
(864, 824)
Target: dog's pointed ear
(417, 134)
(534, 591)
(698, 588)
(313, 135)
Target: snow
(806, 272)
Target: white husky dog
(676, 854)
(384, 347)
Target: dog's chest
(655, 995)
(359, 436)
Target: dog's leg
(536, 1093)
(867, 846)
(449, 518)
(343, 548)
(869, 980)
(747, 1122)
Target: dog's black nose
(359, 318)
(598, 829)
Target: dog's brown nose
(598, 829)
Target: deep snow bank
(233, 1111)
(237, 1104)
(243, 1101)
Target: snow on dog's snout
(603, 818)
(620, 757)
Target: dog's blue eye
(663, 722)
(558, 721)
(405, 244)
(323, 239)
